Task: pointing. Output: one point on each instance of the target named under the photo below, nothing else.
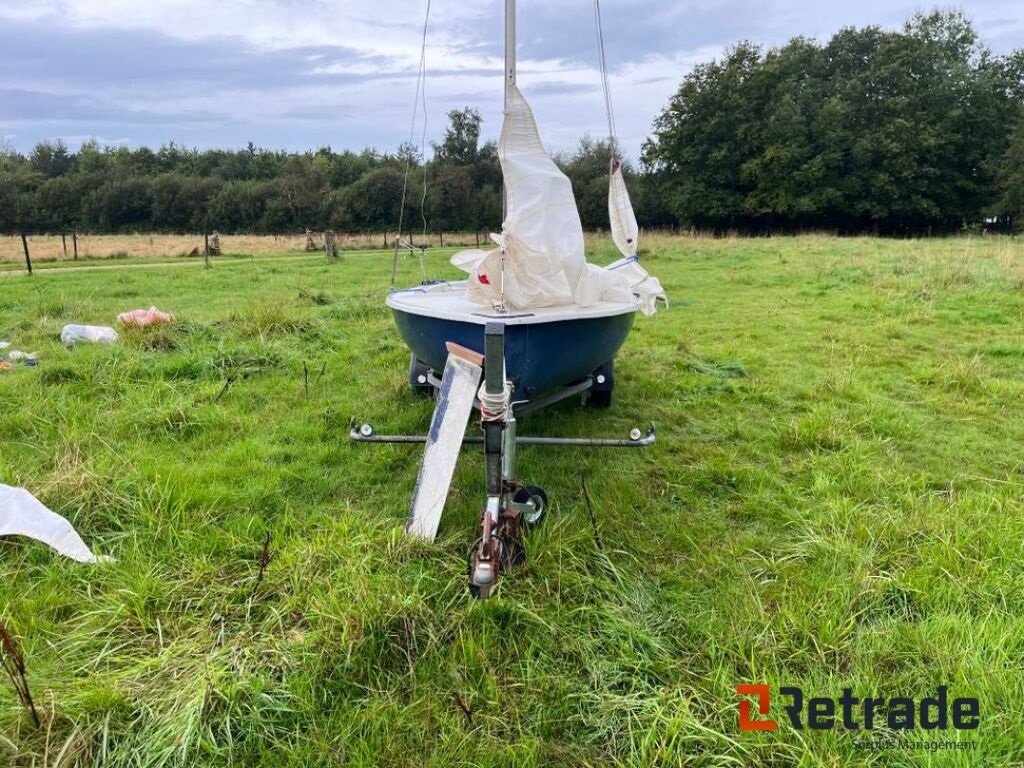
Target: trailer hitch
(511, 505)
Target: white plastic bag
(22, 514)
(72, 333)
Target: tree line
(906, 131)
(914, 130)
(174, 189)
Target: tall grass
(833, 501)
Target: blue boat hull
(539, 357)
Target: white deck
(447, 301)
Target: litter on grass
(22, 514)
(8, 359)
(28, 359)
(73, 333)
(143, 317)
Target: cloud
(17, 106)
(115, 59)
(306, 73)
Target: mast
(510, 46)
(510, 75)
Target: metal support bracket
(366, 434)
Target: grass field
(834, 500)
(47, 249)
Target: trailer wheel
(600, 394)
(418, 380)
(534, 495)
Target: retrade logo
(746, 722)
(899, 713)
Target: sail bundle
(540, 259)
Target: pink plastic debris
(142, 317)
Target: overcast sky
(299, 74)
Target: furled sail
(626, 235)
(540, 260)
(625, 231)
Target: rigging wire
(423, 159)
(605, 86)
(419, 100)
(619, 208)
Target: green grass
(834, 501)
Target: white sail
(542, 237)
(625, 231)
(626, 235)
(644, 286)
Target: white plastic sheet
(74, 333)
(22, 514)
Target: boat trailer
(511, 505)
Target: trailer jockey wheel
(419, 377)
(600, 394)
(535, 497)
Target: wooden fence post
(28, 258)
(206, 247)
(74, 242)
(64, 242)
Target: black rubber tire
(419, 370)
(539, 498)
(600, 394)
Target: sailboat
(565, 319)
(532, 319)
